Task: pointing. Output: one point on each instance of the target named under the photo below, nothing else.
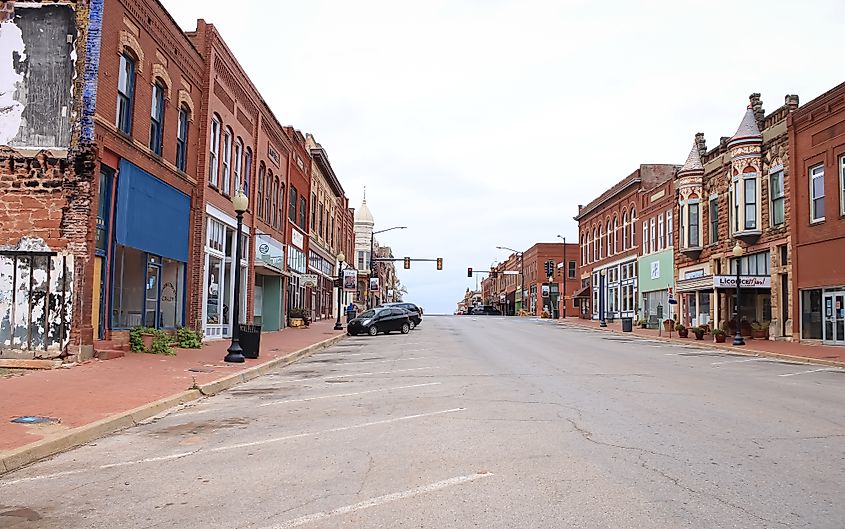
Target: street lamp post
(234, 352)
(565, 277)
(340, 259)
(602, 300)
(737, 252)
(372, 246)
(521, 275)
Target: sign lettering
(745, 282)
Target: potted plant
(719, 335)
(698, 332)
(682, 331)
(759, 331)
(296, 317)
(668, 324)
(643, 324)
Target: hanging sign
(374, 284)
(309, 280)
(350, 279)
(744, 282)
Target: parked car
(380, 319)
(415, 311)
(485, 310)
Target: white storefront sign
(655, 269)
(297, 239)
(309, 280)
(270, 251)
(745, 282)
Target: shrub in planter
(682, 331)
(188, 338)
(297, 316)
(698, 332)
(643, 324)
(668, 324)
(149, 340)
(719, 335)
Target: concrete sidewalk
(99, 397)
(810, 353)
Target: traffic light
(550, 268)
(440, 263)
(469, 272)
(407, 263)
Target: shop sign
(655, 269)
(270, 251)
(350, 279)
(297, 238)
(545, 291)
(374, 284)
(745, 282)
(309, 280)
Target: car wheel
(373, 330)
(406, 328)
(412, 324)
(350, 333)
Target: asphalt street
(472, 422)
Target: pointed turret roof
(363, 214)
(693, 163)
(747, 128)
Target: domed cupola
(690, 191)
(745, 149)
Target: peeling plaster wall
(37, 73)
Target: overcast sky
(484, 123)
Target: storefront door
(152, 296)
(834, 318)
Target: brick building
(739, 195)
(607, 229)
(656, 264)
(817, 220)
(507, 282)
(545, 295)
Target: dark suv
(414, 311)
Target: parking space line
(380, 500)
(805, 372)
(361, 374)
(736, 361)
(348, 394)
(378, 361)
(333, 430)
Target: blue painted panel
(151, 215)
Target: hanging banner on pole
(374, 284)
(350, 279)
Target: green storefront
(656, 275)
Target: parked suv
(381, 319)
(414, 311)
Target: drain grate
(35, 419)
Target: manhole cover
(35, 419)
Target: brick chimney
(791, 102)
(757, 107)
(701, 142)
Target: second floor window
(750, 183)
(694, 225)
(669, 235)
(157, 118)
(571, 271)
(661, 233)
(652, 244)
(817, 193)
(313, 212)
(227, 163)
(247, 169)
(260, 198)
(182, 140)
(714, 220)
(125, 93)
(842, 184)
(777, 198)
(645, 237)
(239, 149)
(292, 198)
(214, 152)
(303, 206)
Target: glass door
(151, 296)
(834, 318)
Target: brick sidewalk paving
(96, 390)
(810, 352)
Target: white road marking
(360, 374)
(380, 500)
(805, 372)
(332, 430)
(340, 354)
(377, 361)
(735, 361)
(101, 467)
(347, 394)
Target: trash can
(627, 324)
(350, 315)
(249, 336)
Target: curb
(707, 345)
(27, 454)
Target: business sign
(270, 251)
(297, 238)
(655, 269)
(374, 284)
(745, 282)
(309, 280)
(544, 289)
(350, 279)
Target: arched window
(270, 201)
(182, 137)
(583, 248)
(633, 227)
(609, 238)
(601, 241)
(595, 244)
(238, 168)
(260, 200)
(247, 169)
(615, 234)
(125, 93)
(157, 117)
(624, 229)
(280, 208)
(214, 152)
(226, 188)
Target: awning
(695, 283)
(583, 292)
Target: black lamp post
(235, 353)
(372, 265)
(737, 251)
(340, 259)
(602, 300)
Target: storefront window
(128, 291)
(214, 286)
(811, 314)
(703, 308)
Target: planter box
(683, 333)
(296, 322)
(719, 338)
(761, 334)
(148, 341)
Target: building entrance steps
(97, 398)
(804, 352)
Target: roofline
(603, 199)
(322, 159)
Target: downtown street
(472, 422)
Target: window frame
(303, 213)
(125, 94)
(260, 192)
(247, 169)
(813, 218)
(669, 229)
(694, 228)
(633, 228)
(182, 124)
(624, 230)
(777, 201)
(652, 235)
(292, 203)
(749, 222)
(237, 170)
(214, 152)
(842, 184)
(645, 237)
(313, 212)
(713, 219)
(226, 162)
(157, 118)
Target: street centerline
(381, 500)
